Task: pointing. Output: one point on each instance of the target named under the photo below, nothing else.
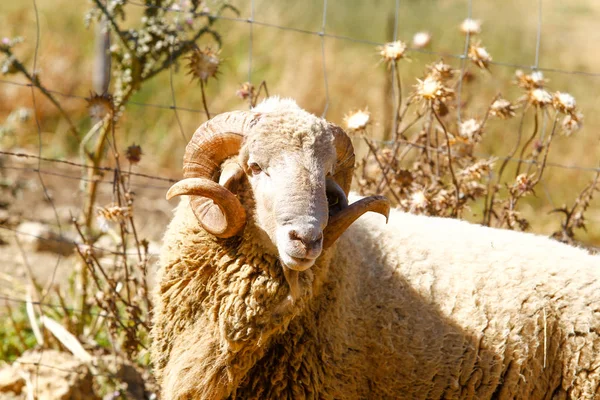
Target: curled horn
(217, 209)
(342, 219)
(339, 222)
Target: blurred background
(324, 54)
(341, 70)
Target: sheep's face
(288, 156)
(287, 171)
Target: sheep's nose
(308, 240)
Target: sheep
(261, 296)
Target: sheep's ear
(231, 176)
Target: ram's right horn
(339, 222)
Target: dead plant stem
(450, 167)
(528, 142)
(381, 167)
(204, 99)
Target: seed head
(114, 213)
(537, 77)
(502, 108)
(469, 129)
(357, 120)
(204, 63)
(432, 88)
(441, 70)
(470, 26)
(246, 91)
(100, 105)
(421, 40)
(479, 55)
(478, 170)
(539, 97)
(418, 201)
(7, 43)
(392, 51)
(530, 81)
(134, 153)
(563, 102)
(572, 122)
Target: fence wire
(323, 35)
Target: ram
(269, 289)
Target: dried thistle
(100, 105)
(502, 108)
(421, 40)
(6, 44)
(535, 80)
(418, 201)
(538, 97)
(114, 213)
(441, 71)
(477, 170)
(470, 26)
(357, 120)
(572, 122)
(246, 91)
(204, 63)
(469, 129)
(479, 55)
(563, 102)
(134, 153)
(392, 51)
(432, 88)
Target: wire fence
(38, 164)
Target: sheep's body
(421, 308)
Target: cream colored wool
(445, 310)
(420, 308)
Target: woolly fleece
(421, 308)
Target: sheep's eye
(255, 168)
